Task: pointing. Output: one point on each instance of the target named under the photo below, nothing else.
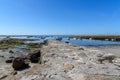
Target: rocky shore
(55, 60)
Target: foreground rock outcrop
(61, 61)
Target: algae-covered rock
(34, 45)
(10, 43)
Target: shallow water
(82, 42)
(86, 42)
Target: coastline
(61, 61)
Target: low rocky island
(55, 60)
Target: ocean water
(82, 42)
(86, 42)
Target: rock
(68, 67)
(19, 63)
(46, 42)
(34, 56)
(11, 51)
(107, 57)
(34, 45)
(11, 57)
(3, 76)
(14, 72)
(99, 55)
(9, 60)
(81, 48)
(23, 56)
(12, 41)
(100, 60)
(66, 41)
(59, 38)
(117, 60)
(1, 56)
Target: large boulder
(19, 63)
(34, 57)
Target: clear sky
(59, 17)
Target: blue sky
(59, 17)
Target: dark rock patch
(34, 56)
(11, 51)
(19, 64)
(10, 60)
(108, 58)
(81, 48)
(59, 38)
(67, 42)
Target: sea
(64, 38)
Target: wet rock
(66, 41)
(7, 43)
(19, 63)
(34, 56)
(12, 41)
